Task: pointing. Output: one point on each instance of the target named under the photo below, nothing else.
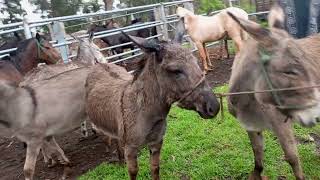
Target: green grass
(213, 149)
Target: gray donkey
(50, 101)
(133, 109)
(38, 112)
(272, 59)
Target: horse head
(46, 53)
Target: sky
(31, 8)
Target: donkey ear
(180, 31)
(262, 35)
(38, 37)
(276, 17)
(91, 35)
(144, 44)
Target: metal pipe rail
(8, 50)
(128, 43)
(72, 17)
(109, 18)
(126, 27)
(127, 30)
(11, 25)
(124, 59)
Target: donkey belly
(61, 102)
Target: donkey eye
(177, 72)
(291, 72)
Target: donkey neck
(27, 59)
(149, 92)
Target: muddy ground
(85, 154)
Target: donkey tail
(5, 123)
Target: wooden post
(58, 34)
(160, 15)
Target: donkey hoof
(257, 177)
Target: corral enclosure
(194, 149)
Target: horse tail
(244, 35)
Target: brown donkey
(272, 59)
(133, 109)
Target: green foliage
(206, 6)
(14, 9)
(131, 3)
(213, 149)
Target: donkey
(41, 110)
(88, 54)
(204, 29)
(133, 109)
(272, 59)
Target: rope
(222, 95)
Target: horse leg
(238, 42)
(207, 55)
(131, 159)
(226, 47)
(256, 140)
(155, 150)
(33, 149)
(288, 143)
(202, 56)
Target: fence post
(160, 15)
(58, 34)
(27, 31)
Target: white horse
(204, 29)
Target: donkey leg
(207, 55)
(120, 151)
(131, 159)
(155, 150)
(62, 158)
(33, 149)
(288, 143)
(84, 130)
(47, 152)
(256, 140)
(202, 56)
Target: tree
(108, 4)
(206, 6)
(58, 8)
(13, 9)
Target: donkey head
(282, 62)
(178, 75)
(88, 51)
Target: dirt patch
(85, 154)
